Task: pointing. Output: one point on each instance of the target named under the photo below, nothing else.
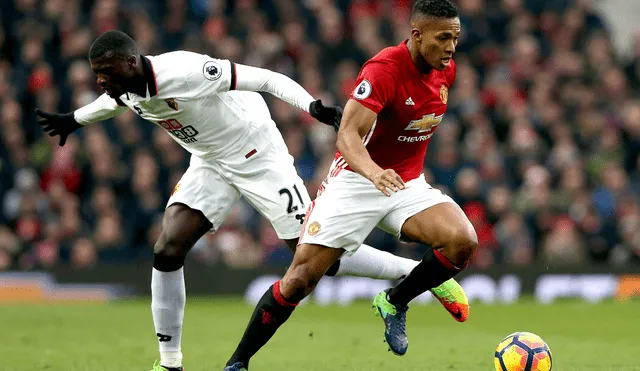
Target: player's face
(436, 39)
(114, 73)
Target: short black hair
(435, 8)
(114, 41)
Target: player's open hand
(388, 181)
(61, 124)
(331, 115)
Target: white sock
(370, 262)
(168, 297)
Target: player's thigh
(424, 214)
(202, 188)
(272, 186)
(344, 214)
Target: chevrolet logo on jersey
(426, 123)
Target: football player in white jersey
(211, 108)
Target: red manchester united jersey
(409, 104)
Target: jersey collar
(150, 77)
(405, 46)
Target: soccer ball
(523, 351)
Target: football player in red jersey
(400, 98)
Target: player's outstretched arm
(356, 124)
(63, 124)
(100, 109)
(260, 79)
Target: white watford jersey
(209, 106)
(192, 97)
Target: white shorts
(350, 206)
(267, 179)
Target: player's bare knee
(302, 283)
(463, 242)
(169, 255)
(298, 283)
(170, 247)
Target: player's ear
(416, 35)
(132, 61)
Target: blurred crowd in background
(539, 146)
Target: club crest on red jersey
(444, 94)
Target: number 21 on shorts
(291, 208)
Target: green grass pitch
(120, 336)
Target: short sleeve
(375, 87)
(209, 75)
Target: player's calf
(446, 228)
(433, 270)
(182, 227)
(276, 305)
(272, 311)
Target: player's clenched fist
(58, 124)
(331, 115)
(386, 180)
